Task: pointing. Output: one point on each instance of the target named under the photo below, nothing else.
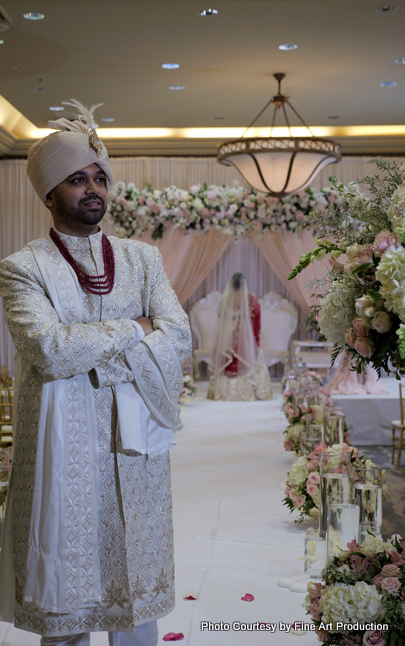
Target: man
(87, 543)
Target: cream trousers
(143, 635)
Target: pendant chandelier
(279, 165)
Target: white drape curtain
(24, 218)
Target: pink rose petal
(248, 597)
(191, 595)
(173, 637)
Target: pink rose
(373, 638)
(299, 501)
(314, 478)
(396, 558)
(312, 464)
(383, 241)
(350, 337)
(293, 494)
(359, 327)
(377, 579)
(390, 570)
(312, 489)
(391, 584)
(364, 347)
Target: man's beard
(80, 213)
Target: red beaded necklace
(93, 284)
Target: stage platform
(370, 416)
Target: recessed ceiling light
(170, 66)
(287, 46)
(1, 41)
(388, 84)
(33, 15)
(219, 118)
(108, 119)
(208, 12)
(176, 87)
(386, 7)
(400, 60)
(334, 117)
(18, 66)
(56, 108)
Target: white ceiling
(111, 52)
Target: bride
(239, 371)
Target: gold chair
(6, 418)
(398, 425)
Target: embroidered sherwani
(132, 543)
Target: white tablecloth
(371, 415)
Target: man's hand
(146, 324)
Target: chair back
(279, 318)
(6, 413)
(204, 320)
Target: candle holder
(332, 485)
(343, 526)
(333, 428)
(369, 499)
(315, 553)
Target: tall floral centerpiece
(362, 599)
(362, 307)
(302, 484)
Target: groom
(87, 544)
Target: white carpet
(232, 534)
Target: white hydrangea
(299, 472)
(391, 274)
(373, 545)
(396, 211)
(350, 603)
(337, 312)
(294, 431)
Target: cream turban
(52, 159)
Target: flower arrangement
(297, 417)
(187, 390)
(363, 308)
(361, 602)
(233, 210)
(302, 484)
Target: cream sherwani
(114, 549)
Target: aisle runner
(232, 534)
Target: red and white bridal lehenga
(239, 371)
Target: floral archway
(192, 228)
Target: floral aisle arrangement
(302, 484)
(297, 416)
(362, 310)
(361, 602)
(187, 390)
(233, 210)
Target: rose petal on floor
(248, 597)
(173, 637)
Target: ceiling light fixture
(334, 117)
(1, 42)
(386, 7)
(108, 119)
(400, 60)
(208, 12)
(177, 87)
(219, 118)
(288, 47)
(56, 108)
(33, 15)
(279, 165)
(388, 84)
(170, 66)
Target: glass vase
(343, 526)
(332, 485)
